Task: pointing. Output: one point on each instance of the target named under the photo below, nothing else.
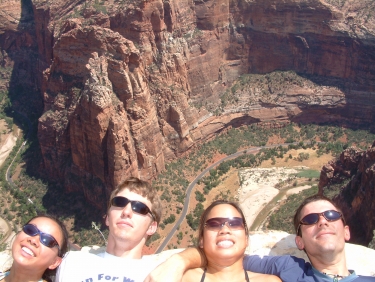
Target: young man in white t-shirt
(133, 214)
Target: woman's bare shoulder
(258, 277)
(193, 275)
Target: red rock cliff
(357, 196)
(130, 85)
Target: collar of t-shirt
(327, 278)
(109, 256)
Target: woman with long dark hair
(37, 250)
(223, 237)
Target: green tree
(199, 196)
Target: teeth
(27, 250)
(225, 243)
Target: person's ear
(106, 220)
(152, 228)
(346, 233)
(201, 243)
(299, 242)
(57, 262)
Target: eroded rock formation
(128, 85)
(357, 196)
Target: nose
(322, 220)
(33, 240)
(225, 229)
(127, 211)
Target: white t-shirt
(87, 267)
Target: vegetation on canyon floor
(172, 183)
(239, 138)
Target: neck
(20, 274)
(123, 249)
(331, 266)
(224, 267)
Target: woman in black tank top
(223, 237)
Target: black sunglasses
(216, 223)
(44, 238)
(137, 206)
(313, 218)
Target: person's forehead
(317, 207)
(223, 210)
(134, 196)
(49, 226)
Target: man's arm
(174, 267)
(288, 268)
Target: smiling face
(226, 245)
(128, 227)
(323, 237)
(29, 253)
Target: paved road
(192, 184)
(9, 179)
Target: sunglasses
(313, 218)
(137, 206)
(44, 238)
(216, 223)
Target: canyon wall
(130, 85)
(357, 169)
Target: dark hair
(142, 188)
(210, 207)
(50, 273)
(308, 200)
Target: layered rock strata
(130, 85)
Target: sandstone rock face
(128, 86)
(17, 46)
(357, 197)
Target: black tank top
(204, 275)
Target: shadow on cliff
(25, 106)
(356, 112)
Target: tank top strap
(203, 275)
(246, 276)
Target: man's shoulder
(84, 266)
(276, 259)
(288, 268)
(80, 254)
(365, 278)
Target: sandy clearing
(258, 188)
(5, 150)
(7, 147)
(297, 190)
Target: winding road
(192, 184)
(8, 178)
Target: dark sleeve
(288, 268)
